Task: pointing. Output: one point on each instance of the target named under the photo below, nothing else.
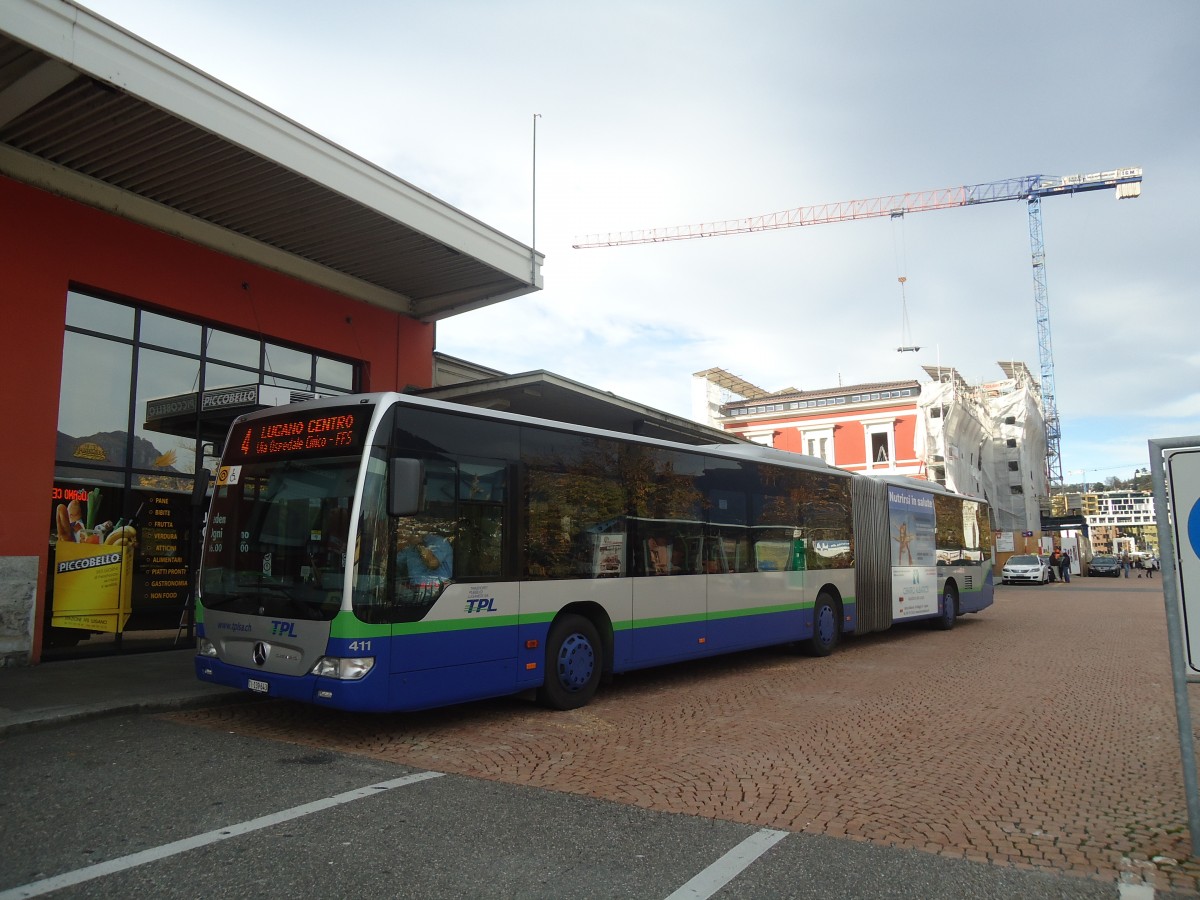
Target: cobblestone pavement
(1039, 734)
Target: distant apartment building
(987, 440)
(1121, 521)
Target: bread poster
(93, 568)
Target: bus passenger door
(472, 621)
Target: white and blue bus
(387, 552)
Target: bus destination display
(326, 431)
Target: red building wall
(49, 244)
(849, 433)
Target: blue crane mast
(1126, 183)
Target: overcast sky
(672, 113)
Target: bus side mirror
(405, 477)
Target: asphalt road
(751, 777)
(85, 798)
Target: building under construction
(984, 439)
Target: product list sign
(163, 553)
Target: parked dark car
(1105, 565)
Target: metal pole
(533, 236)
(1170, 575)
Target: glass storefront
(126, 507)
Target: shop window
(113, 468)
(163, 457)
(93, 403)
(233, 348)
(287, 363)
(93, 314)
(335, 374)
(216, 376)
(173, 334)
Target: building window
(1010, 420)
(818, 442)
(1013, 467)
(1011, 443)
(879, 448)
(880, 445)
(1016, 489)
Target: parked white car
(1025, 569)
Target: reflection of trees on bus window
(816, 505)
(949, 529)
(666, 528)
(574, 494)
(595, 507)
(963, 530)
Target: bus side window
(715, 561)
(662, 556)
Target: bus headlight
(344, 668)
(205, 647)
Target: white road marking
(99, 870)
(727, 868)
(1135, 891)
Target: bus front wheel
(827, 627)
(949, 613)
(573, 663)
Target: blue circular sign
(1193, 527)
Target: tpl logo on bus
(283, 629)
(481, 605)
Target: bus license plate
(260, 686)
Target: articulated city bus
(387, 552)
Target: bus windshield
(276, 538)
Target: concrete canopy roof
(548, 396)
(92, 112)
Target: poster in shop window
(93, 564)
(914, 554)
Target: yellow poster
(93, 585)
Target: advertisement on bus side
(914, 554)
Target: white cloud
(673, 113)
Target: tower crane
(1126, 183)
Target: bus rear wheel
(827, 627)
(574, 663)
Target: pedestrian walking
(1151, 565)
(1125, 563)
(1055, 564)
(1064, 564)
